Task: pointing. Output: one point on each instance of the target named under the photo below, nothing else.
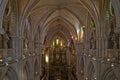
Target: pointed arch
(3, 4)
(109, 75)
(36, 70)
(10, 74)
(91, 71)
(26, 71)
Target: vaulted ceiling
(52, 16)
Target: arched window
(92, 23)
(111, 9)
(113, 38)
(92, 34)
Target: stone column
(15, 42)
(20, 57)
(14, 33)
(78, 49)
(116, 5)
(47, 64)
(98, 48)
(68, 56)
(101, 45)
(39, 53)
(86, 42)
(69, 73)
(5, 33)
(6, 38)
(68, 52)
(2, 9)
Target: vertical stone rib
(2, 9)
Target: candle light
(46, 58)
(61, 44)
(57, 41)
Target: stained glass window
(92, 23)
(111, 9)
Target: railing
(7, 52)
(10, 53)
(113, 55)
(7, 56)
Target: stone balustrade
(112, 55)
(10, 53)
(7, 57)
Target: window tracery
(113, 38)
(92, 34)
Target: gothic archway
(91, 72)
(109, 75)
(10, 75)
(113, 37)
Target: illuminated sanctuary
(59, 39)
